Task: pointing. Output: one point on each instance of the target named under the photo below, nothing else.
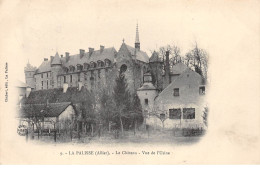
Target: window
(188, 113)
(176, 92)
(107, 62)
(47, 74)
(146, 101)
(78, 76)
(72, 68)
(79, 67)
(71, 78)
(64, 78)
(175, 113)
(42, 75)
(99, 73)
(162, 116)
(47, 83)
(42, 84)
(202, 90)
(85, 76)
(86, 66)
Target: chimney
(45, 59)
(167, 68)
(79, 85)
(81, 52)
(65, 87)
(28, 91)
(67, 55)
(90, 50)
(102, 48)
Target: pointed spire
(137, 35)
(137, 42)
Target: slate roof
(56, 60)
(140, 55)
(43, 110)
(44, 67)
(29, 67)
(155, 57)
(147, 86)
(107, 53)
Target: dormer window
(66, 69)
(107, 62)
(100, 64)
(72, 68)
(86, 66)
(176, 92)
(202, 90)
(93, 64)
(79, 67)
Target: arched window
(107, 62)
(123, 68)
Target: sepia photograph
(129, 82)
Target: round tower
(147, 93)
(55, 69)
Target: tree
(161, 115)
(122, 101)
(107, 107)
(136, 112)
(197, 59)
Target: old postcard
(130, 82)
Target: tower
(29, 72)
(55, 69)
(155, 66)
(147, 93)
(137, 42)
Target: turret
(55, 69)
(147, 93)
(155, 65)
(29, 72)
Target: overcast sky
(37, 29)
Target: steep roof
(56, 60)
(155, 57)
(140, 55)
(178, 68)
(107, 53)
(147, 86)
(43, 110)
(44, 67)
(29, 67)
